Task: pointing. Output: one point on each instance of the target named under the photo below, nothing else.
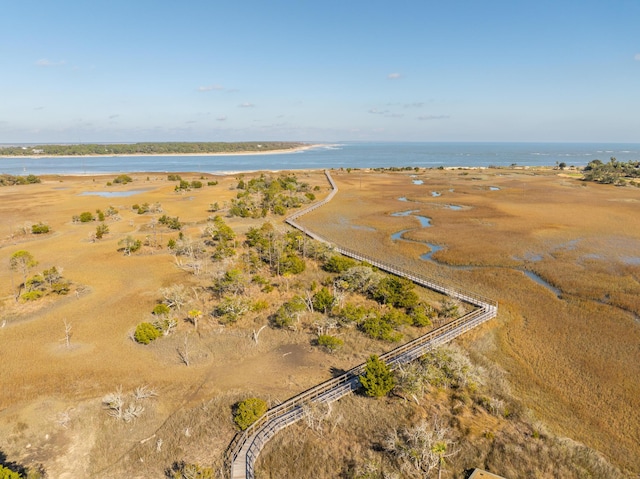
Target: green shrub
(184, 185)
(172, 223)
(323, 300)
(339, 264)
(378, 327)
(196, 184)
(61, 287)
(123, 179)
(32, 295)
(143, 208)
(6, 473)
(101, 230)
(248, 411)
(377, 379)
(182, 470)
(39, 229)
(287, 315)
(161, 310)
(86, 217)
(34, 282)
(145, 333)
(331, 343)
(279, 210)
(292, 264)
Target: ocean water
(341, 155)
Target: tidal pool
(542, 282)
(425, 221)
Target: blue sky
(407, 70)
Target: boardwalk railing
(246, 446)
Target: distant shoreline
(127, 155)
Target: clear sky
(331, 70)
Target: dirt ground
(573, 359)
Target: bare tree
(316, 413)
(422, 448)
(67, 334)
(183, 353)
(114, 403)
(144, 392)
(174, 296)
(255, 334)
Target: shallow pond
(112, 194)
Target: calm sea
(342, 155)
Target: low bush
(123, 179)
(86, 217)
(61, 287)
(330, 343)
(39, 229)
(145, 333)
(32, 295)
(248, 411)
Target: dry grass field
(573, 360)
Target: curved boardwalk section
(246, 446)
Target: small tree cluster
(262, 195)
(48, 281)
(280, 251)
(221, 237)
(614, 172)
(288, 314)
(129, 245)
(10, 180)
(170, 222)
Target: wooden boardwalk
(246, 446)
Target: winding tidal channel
(425, 222)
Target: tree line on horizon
(153, 148)
(614, 172)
